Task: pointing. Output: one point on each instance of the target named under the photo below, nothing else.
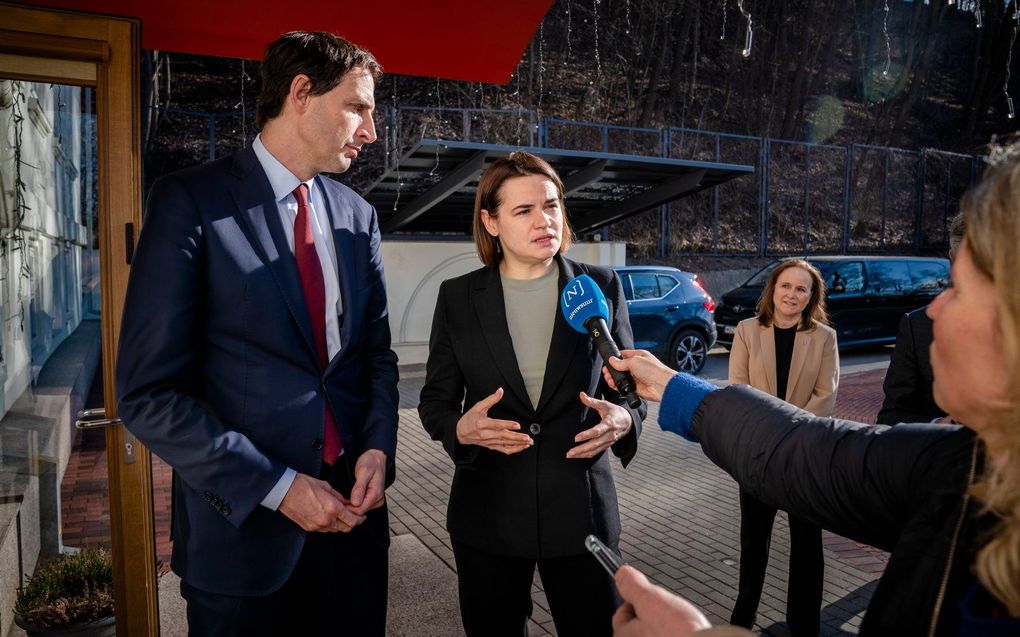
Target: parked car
(670, 314)
(865, 296)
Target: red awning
(474, 40)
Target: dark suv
(865, 296)
(670, 314)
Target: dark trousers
(338, 587)
(495, 593)
(804, 592)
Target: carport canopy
(431, 189)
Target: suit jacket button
(317, 444)
(535, 428)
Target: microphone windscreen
(582, 299)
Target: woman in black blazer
(532, 479)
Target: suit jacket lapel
(487, 299)
(767, 342)
(564, 342)
(342, 223)
(802, 342)
(259, 218)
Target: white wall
(415, 269)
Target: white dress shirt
(283, 183)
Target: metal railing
(804, 198)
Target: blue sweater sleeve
(680, 400)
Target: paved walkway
(680, 526)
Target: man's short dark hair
(324, 57)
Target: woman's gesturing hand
(476, 428)
(615, 424)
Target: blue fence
(804, 198)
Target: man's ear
(300, 92)
(489, 221)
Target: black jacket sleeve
(864, 482)
(625, 447)
(908, 392)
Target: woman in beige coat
(789, 351)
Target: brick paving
(679, 513)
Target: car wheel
(689, 352)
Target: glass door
(70, 207)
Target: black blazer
(535, 503)
(908, 382)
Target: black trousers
(338, 587)
(495, 593)
(807, 567)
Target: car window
(889, 276)
(646, 286)
(760, 277)
(929, 276)
(849, 275)
(628, 291)
(666, 284)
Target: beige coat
(814, 368)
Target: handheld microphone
(586, 310)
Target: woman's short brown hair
(814, 312)
(487, 197)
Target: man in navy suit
(255, 360)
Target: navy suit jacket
(217, 372)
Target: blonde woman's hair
(992, 215)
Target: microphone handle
(599, 332)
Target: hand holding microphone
(586, 310)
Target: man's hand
(650, 376)
(476, 428)
(651, 611)
(369, 490)
(615, 424)
(314, 506)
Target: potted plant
(71, 595)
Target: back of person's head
(488, 198)
(992, 213)
(324, 57)
(957, 228)
(814, 311)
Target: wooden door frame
(103, 52)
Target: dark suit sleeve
(380, 428)
(625, 447)
(442, 397)
(904, 395)
(160, 350)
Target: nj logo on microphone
(575, 290)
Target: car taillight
(709, 304)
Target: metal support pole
(763, 198)
(211, 124)
(885, 199)
(807, 198)
(919, 204)
(848, 189)
(715, 204)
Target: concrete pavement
(680, 526)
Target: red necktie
(314, 287)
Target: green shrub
(69, 589)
